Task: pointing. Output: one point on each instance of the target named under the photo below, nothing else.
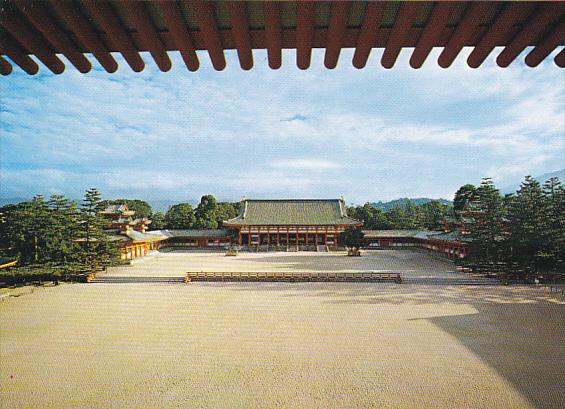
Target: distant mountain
(401, 202)
(12, 200)
(541, 178)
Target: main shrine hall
(301, 223)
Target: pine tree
(61, 239)
(97, 249)
(486, 223)
(529, 225)
(554, 193)
(205, 213)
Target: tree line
(524, 232)
(406, 216)
(57, 233)
(209, 214)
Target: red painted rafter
(336, 31)
(19, 28)
(179, 30)
(17, 54)
(102, 12)
(207, 24)
(304, 32)
(555, 38)
(402, 24)
(468, 23)
(240, 31)
(5, 66)
(369, 28)
(498, 31)
(272, 13)
(431, 34)
(560, 59)
(534, 27)
(80, 26)
(40, 17)
(138, 14)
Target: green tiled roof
(302, 212)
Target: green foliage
(180, 216)
(406, 216)
(158, 221)
(525, 230)
(225, 211)
(352, 238)
(464, 195)
(205, 213)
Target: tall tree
(554, 192)
(486, 215)
(180, 216)
(529, 225)
(205, 213)
(63, 232)
(158, 221)
(225, 211)
(464, 195)
(97, 248)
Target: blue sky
(371, 134)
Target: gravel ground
(258, 345)
(176, 263)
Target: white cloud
(306, 164)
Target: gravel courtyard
(283, 345)
(177, 263)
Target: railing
(10, 264)
(292, 276)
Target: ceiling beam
(369, 28)
(304, 32)
(209, 29)
(5, 66)
(431, 34)
(551, 41)
(103, 14)
(137, 13)
(336, 30)
(38, 14)
(272, 17)
(17, 54)
(402, 24)
(240, 31)
(179, 30)
(30, 39)
(533, 28)
(469, 22)
(498, 31)
(80, 26)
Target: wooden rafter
(5, 66)
(272, 13)
(560, 59)
(19, 28)
(179, 30)
(40, 17)
(498, 31)
(240, 30)
(470, 21)
(431, 34)
(532, 29)
(80, 26)
(336, 31)
(17, 54)
(555, 38)
(103, 14)
(209, 31)
(304, 33)
(403, 22)
(138, 14)
(368, 32)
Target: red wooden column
(316, 232)
(239, 236)
(297, 242)
(258, 235)
(335, 237)
(326, 237)
(287, 235)
(307, 228)
(278, 236)
(268, 237)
